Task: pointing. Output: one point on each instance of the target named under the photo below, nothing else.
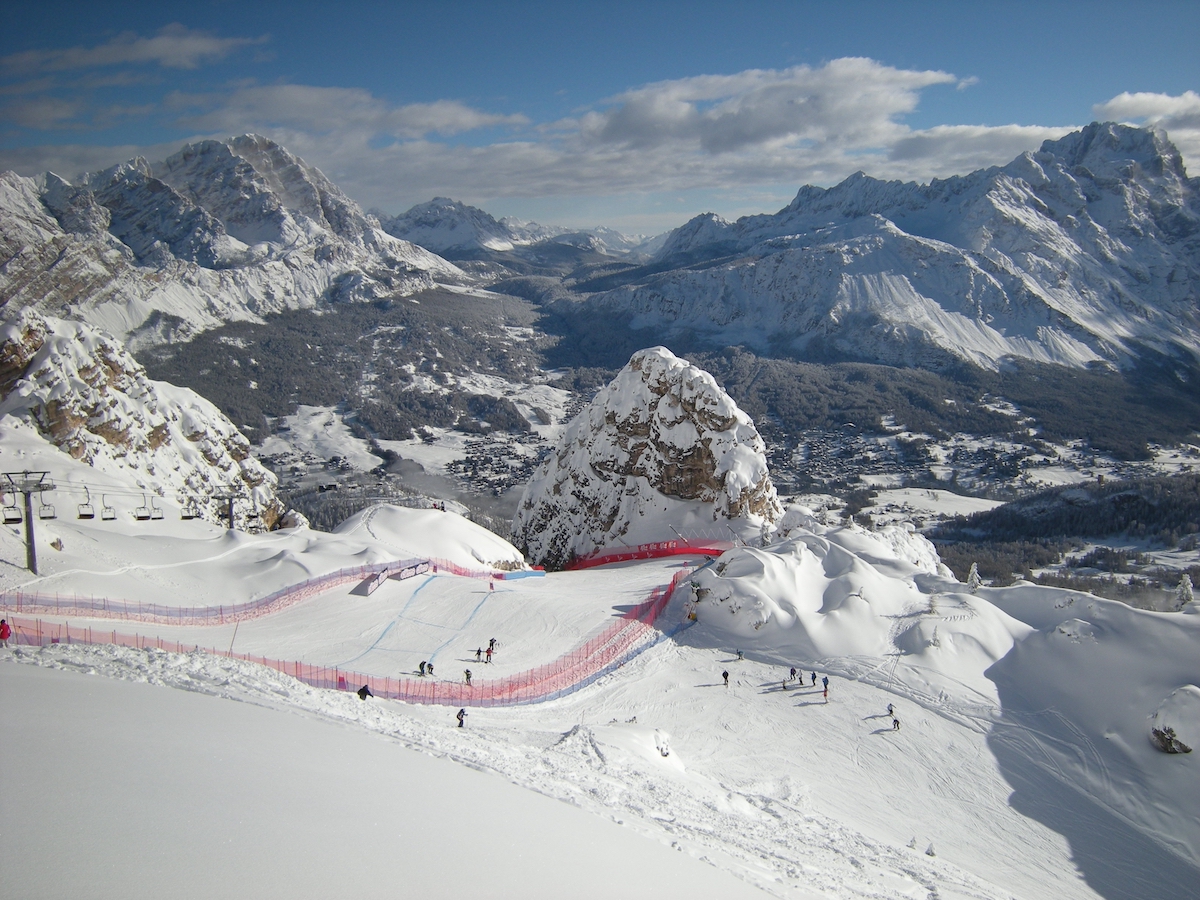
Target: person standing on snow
(489, 655)
(429, 669)
(478, 654)
(895, 723)
(814, 676)
(462, 714)
(5, 632)
(725, 675)
(825, 684)
(421, 669)
(792, 676)
(467, 672)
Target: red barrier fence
(680, 547)
(36, 603)
(599, 655)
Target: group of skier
(796, 675)
(482, 655)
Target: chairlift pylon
(142, 513)
(86, 510)
(107, 513)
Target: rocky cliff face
(1086, 251)
(84, 393)
(220, 231)
(662, 447)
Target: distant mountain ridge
(455, 229)
(1085, 252)
(220, 231)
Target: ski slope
(1022, 768)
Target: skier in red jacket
(5, 633)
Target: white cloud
(705, 137)
(174, 46)
(1178, 116)
(321, 110)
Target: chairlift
(189, 511)
(142, 513)
(107, 513)
(155, 510)
(12, 514)
(86, 510)
(45, 510)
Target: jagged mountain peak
(1085, 251)
(660, 450)
(1108, 148)
(219, 231)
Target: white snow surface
(1023, 761)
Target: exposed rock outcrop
(85, 394)
(662, 447)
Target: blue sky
(634, 115)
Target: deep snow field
(1022, 768)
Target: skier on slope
(421, 669)
(488, 654)
(725, 675)
(895, 723)
(792, 676)
(467, 672)
(814, 678)
(825, 684)
(5, 632)
(462, 714)
(429, 668)
(478, 654)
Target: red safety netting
(37, 603)
(680, 547)
(614, 645)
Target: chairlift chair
(46, 511)
(155, 510)
(86, 510)
(12, 513)
(189, 511)
(142, 513)
(107, 513)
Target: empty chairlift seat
(142, 513)
(107, 513)
(12, 514)
(86, 510)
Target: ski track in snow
(778, 845)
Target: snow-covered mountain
(451, 227)
(1085, 251)
(220, 231)
(82, 392)
(662, 447)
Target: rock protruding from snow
(662, 449)
(84, 393)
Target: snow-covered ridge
(1086, 251)
(450, 226)
(220, 231)
(662, 447)
(85, 394)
